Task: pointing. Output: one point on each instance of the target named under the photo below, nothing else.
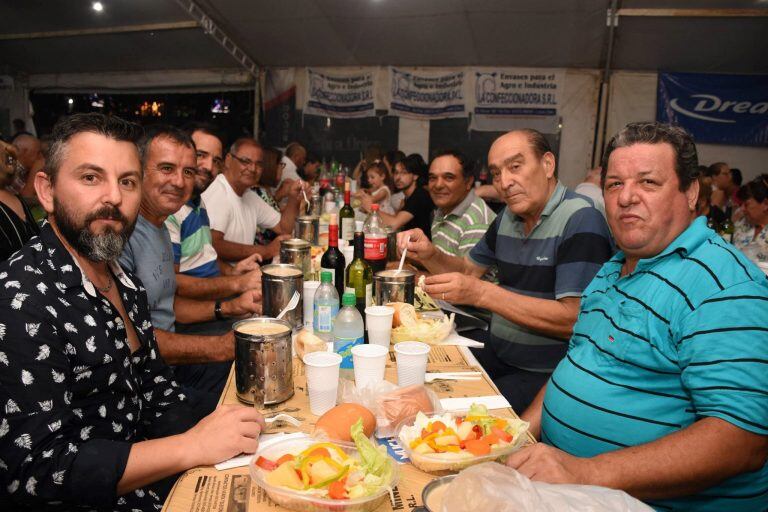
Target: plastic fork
(291, 305)
(431, 377)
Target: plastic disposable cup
(310, 287)
(322, 369)
(369, 362)
(378, 321)
(411, 362)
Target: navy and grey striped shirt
(683, 337)
(557, 259)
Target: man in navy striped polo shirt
(547, 244)
(664, 390)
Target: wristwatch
(217, 311)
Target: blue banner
(719, 109)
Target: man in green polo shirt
(663, 392)
(461, 218)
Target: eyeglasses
(8, 159)
(247, 162)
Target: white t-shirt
(290, 171)
(238, 217)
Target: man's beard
(106, 246)
(199, 188)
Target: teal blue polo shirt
(681, 338)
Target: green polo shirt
(460, 230)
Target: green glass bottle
(346, 217)
(360, 276)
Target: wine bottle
(347, 217)
(333, 259)
(360, 276)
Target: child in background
(379, 182)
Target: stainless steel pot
(308, 228)
(263, 361)
(394, 286)
(296, 252)
(278, 282)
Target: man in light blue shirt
(663, 392)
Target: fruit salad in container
(451, 442)
(307, 475)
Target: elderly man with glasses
(236, 212)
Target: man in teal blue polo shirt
(664, 390)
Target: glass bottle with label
(333, 259)
(325, 307)
(375, 240)
(347, 217)
(348, 331)
(360, 276)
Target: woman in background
(17, 225)
(751, 232)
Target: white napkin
(462, 404)
(264, 441)
(456, 339)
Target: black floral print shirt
(73, 398)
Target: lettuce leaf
(373, 459)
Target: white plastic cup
(411, 359)
(322, 369)
(378, 321)
(369, 362)
(310, 287)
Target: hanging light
(97, 6)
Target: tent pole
(603, 101)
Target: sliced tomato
(438, 426)
(478, 447)
(337, 490)
(285, 458)
(266, 464)
(319, 452)
(501, 434)
(459, 420)
(491, 439)
(478, 430)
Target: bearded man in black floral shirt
(90, 416)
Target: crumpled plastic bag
(390, 403)
(492, 486)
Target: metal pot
(308, 228)
(394, 286)
(263, 361)
(296, 252)
(278, 282)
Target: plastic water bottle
(325, 307)
(348, 331)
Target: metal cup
(308, 228)
(263, 361)
(394, 286)
(278, 283)
(296, 252)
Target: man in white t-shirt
(236, 212)
(294, 159)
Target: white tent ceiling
(540, 33)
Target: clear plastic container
(305, 502)
(435, 462)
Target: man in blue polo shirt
(547, 244)
(664, 390)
